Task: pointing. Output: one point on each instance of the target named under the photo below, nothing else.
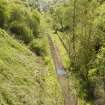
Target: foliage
(33, 21)
(96, 78)
(24, 81)
(21, 31)
(3, 13)
(16, 17)
(80, 27)
(38, 46)
(99, 23)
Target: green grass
(24, 81)
(52, 84)
(62, 50)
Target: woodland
(40, 37)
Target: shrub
(25, 15)
(21, 31)
(17, 12)
(33, 21)
(22, 21)
(38, 46)
(97, 78)
(3, 13)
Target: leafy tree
(23, 22)
(79, 37)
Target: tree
(79, 36)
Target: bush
(3, 13)
(20, 13)
(19, 19)
(33, 21)
(21, 31)
(17, 12)
(38, 46)
(97, 78)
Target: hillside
(24, 81)
(52, 52)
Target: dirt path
(61, 73)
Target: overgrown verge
(23, 79)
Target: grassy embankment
(23, 80)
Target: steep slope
(24, 81)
